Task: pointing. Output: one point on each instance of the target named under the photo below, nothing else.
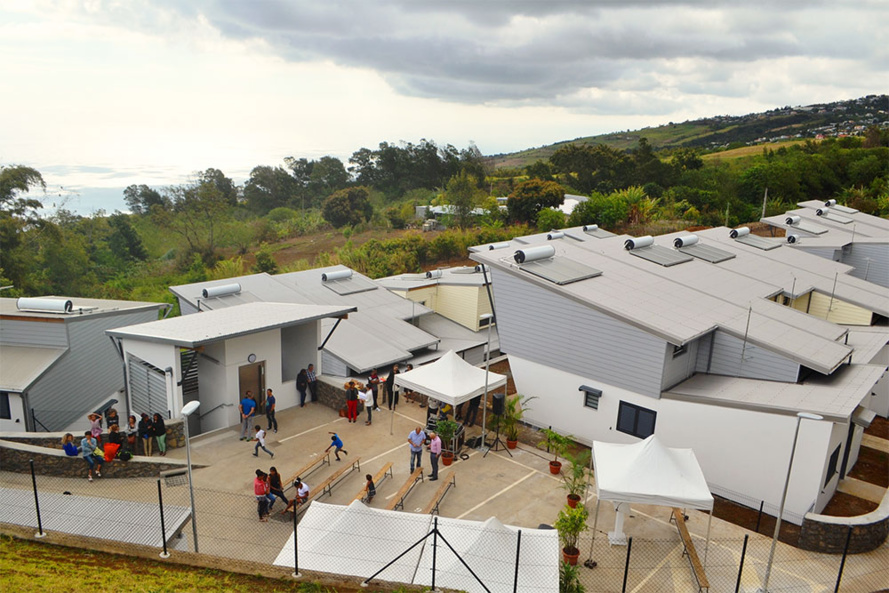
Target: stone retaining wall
(823, 533)
(53, 440)
(16, 457)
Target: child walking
(260, 442)
(335, 441)
(369, 489)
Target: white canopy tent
(648, 472)
(450, 379)
(359, 541)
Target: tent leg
(707, 546)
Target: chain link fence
(228, 526)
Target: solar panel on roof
(560, 271)
(707, 253)
(813, 229)
(661, 255)
(758, 242)
(830, 215)
(351, 285)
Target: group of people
(268, 488)
(121, 442)
(417, 439)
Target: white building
(714, 344)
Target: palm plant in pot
(556, 444)
(575, 479)
(513, 412)
(570, 524)
(447, 431)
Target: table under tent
(450, 380)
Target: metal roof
(871, 222)
(835, 397)
(457, 276)
(868, 342)
(82, 308)
(23, 365)
(559, 270)
(191, 331)
(863, 225)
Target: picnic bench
(309, 468)
(398, 499)
(688, 544)
(326, 487)
(378, 479)
(432, 507)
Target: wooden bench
(696, 566)
(378, 479)
(398, 499)
(309, 468)
(326, 487)
(432, 507)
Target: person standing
(111, 418)
(373, 381)
(472, 410)
(247, 408)
(391, 393)
(370, 490)
(132, 431)
(313, 382)
(261, 491)
(434, 454)
(302, 383)
(335, 441)
(260, 442)
(351, 401)
(366, 395)
(88, 447)
(159, 430)
(95, 426)
(270, 410)
(416, 439)
(145, 433)
(432, 405)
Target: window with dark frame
(5, 410)
(679, 350)
(591, 396)
(832, 465)
(635, 420)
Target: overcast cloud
(188, 84)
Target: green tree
(140, 198)
(549, 219)
(347, 207)
(540, 170)
(264, 260)
(124, 241)
(530, 196)
(269, 188)
(463, 194)
(196, 214)
(18, 213)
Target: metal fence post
(741, 566)
(160, 501)
(518, 548)
(295, 574)
(627, 565)
(434, 550)
(40, 532)
(759, 517)
(843, 561)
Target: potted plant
(556, 444)
(569, 579)
(513, 412)
(447, 431)
(575, 479)
(570, 524)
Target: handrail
(207, 413)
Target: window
(5, 411)
(680, 350)
(485, 321)
(635, 420)
(832, 465)
(591, 396)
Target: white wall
(743, 454)
(878, 401)
(16, 422)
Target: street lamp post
(490, 318)
(799, 419)
(187, 411)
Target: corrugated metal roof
(835, 397)
(23, 365)
(191, 331)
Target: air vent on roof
(554, 235)
(843, 209)
(690, 244)
(645, 248)
(530, 254)
(499, 245)
(742, 235)
(831, 215)
(433, 274)
(44, 305)
(221, 290)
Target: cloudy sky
(101, 94)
